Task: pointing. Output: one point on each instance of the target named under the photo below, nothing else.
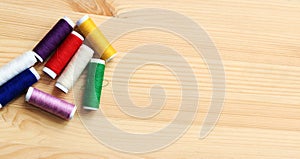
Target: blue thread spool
(17, 85)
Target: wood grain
(258, 42)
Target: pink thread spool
(50, 103)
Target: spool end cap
(69, 21)
(83, 19)
(110, 58)
(50, 72)
(28, 94)
(61, 87)
(73, 112)
(78, 35)
(89, 108)
(95, 60)
(38, 57)
(35, 73)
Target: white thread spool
(16, 66)
(74, 69)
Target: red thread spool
(63, 54)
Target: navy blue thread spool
(53, 38)
(17, 85)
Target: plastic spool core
(110, 58)
(83, 19)
(94, 60)
(28, 94)
(38, 57)
(35, 73)
(78, 35)
(73, 112)
(69, 21)
(89, 108)
(61, 87)
(49, 72)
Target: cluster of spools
(68, 57)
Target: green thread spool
(94, 81)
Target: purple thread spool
(50, 103)
(53, 38)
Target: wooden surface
(259, 43)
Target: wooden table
(258, 41)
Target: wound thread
(75, 68)
(96, 38)
(17, 66)
(17, 85)
(53, 38)
(63, 55)
(94, 81)
(50, 103)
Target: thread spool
(74, 69)
(96, 38)
(94, 81)
(63, 54)
(17, 85)
(16, 66)
(50, 103)
(53, 38)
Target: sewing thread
(16, 66)
(74, 69)
(96, 38)
(50, 103)
(17, 85)
(94, 81)
(53, 38)
(63, 55)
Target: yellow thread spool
(96, 38)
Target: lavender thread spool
(53, 38)
(50, 103)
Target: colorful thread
(63, 54)
(50, 103)
(53, 38)
(74, 69)
(17, 85)
(94, 81)
(16, 66)
(96, 38)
